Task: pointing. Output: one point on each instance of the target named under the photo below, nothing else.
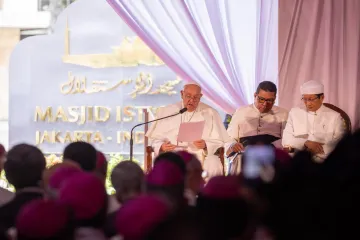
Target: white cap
(192, 83)
(312, 87)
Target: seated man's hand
(167, 146)
(314, 147)
(200, 144)
(236, 147)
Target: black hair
(172, 157)
(267, 86)
(24, 166)
(82, 153)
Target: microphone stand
(140, 124)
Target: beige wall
(9, 37)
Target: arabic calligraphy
(143, 85)
(167, 88)
(76, 85)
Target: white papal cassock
(248, 121)
(214, 133)
(324, 126)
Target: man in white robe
(313, 126)
(260, 121)
(163, 134)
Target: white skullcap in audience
(312, 87)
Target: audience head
(312, 93)
(82, 153)
(44, 220)
(2, 156)
(171, 157)
(59, 176)
(127, 179)
(49, 172)
(85, 194)
(138, 217)
(166, 179)
(2, 151)
(219, 204)
(24, 166)
(101, 165)
(191, 95)
(265, 96)
(193, 180)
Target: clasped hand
(167, 146)
(236, 147)
(314, 147)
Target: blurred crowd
(281, 197)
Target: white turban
(312, 87)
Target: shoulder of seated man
(244, 109)
(279, 110)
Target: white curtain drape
(227, 47)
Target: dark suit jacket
(10, 210)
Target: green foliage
(4, 183)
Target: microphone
(182, 110)
(140, 124)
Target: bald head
(127, 179)
(191, 96)
(194, 180)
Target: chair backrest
(345, 117)
(147, 149)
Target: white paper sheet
(191, 131)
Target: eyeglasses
(309, 99)
(194, 98)
(262, 100)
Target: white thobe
(324, 126)
(214, 133)
(248, 121)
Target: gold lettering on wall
(81, 115)
(73, 114)
(129, 113)
(98, 138)
(131, 52)
(139, 137)
(60, 114)
(102, 117)
(43, 116)
(118, 114)
(54, 137)
(144, 85)
(126, 136)
(79, 84)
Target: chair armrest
(148, 159)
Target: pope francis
(313, 126)
(163, 134)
